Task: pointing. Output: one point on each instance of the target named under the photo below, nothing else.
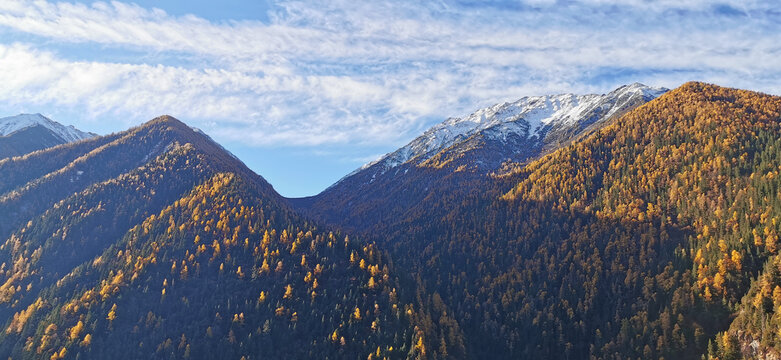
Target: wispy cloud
(372, 72)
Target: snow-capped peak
(12, 124)
(530, 117)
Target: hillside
(638, 241)
(157, 243)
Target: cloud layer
(368, 72)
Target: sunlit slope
(638, 241)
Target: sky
(305, 92)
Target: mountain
(465, 150)
(517, 130)
(651, 233)
(652, 236)
(157, 243)
(25, 133)
(12, 124)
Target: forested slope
(656, 236)
(157, 243)
(26, 141)
(638, 241)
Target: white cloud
(369, 72)
(239, 101)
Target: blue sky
(305, 92)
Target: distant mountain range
(25, 133)
(643, 223)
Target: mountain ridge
(114, 215)
(527, 117)
(12, 124)
(25, 133)
(485, 142)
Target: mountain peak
(15, 123)
(170, 123)
(641, 88)
(704, 89)
(12, 124)
(176, 130)
(531, 118)
(166, 120)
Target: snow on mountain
(12, 124)
(530, 117)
